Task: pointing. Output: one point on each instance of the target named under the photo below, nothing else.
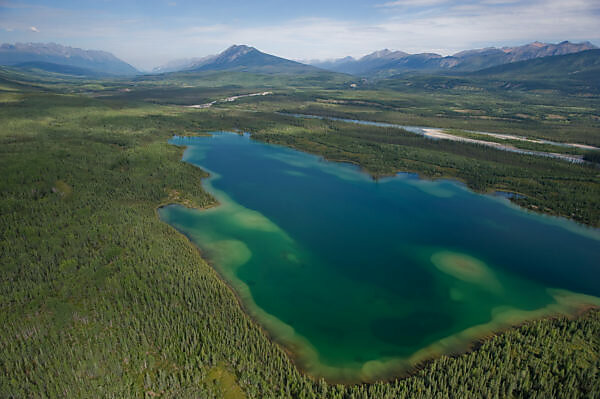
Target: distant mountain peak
(239, 49)
(384, 54)
(236, 51)
(562, 45)
(238, 57)
(380, 53)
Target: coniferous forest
(100, 299)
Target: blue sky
(149, 33)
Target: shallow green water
(362, 279)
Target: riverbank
(441, 134)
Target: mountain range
(387, 63)
(583, 67)
(54, 58)
(240, 58)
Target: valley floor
(98, 298)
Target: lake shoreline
(394, 374)
(296, 358)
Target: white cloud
(457, 28)
(499, 2)
(34, 29)
(412, 3)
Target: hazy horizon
(157, 32)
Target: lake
(362, 279)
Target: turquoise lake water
(362, 279)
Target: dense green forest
(98, 298)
